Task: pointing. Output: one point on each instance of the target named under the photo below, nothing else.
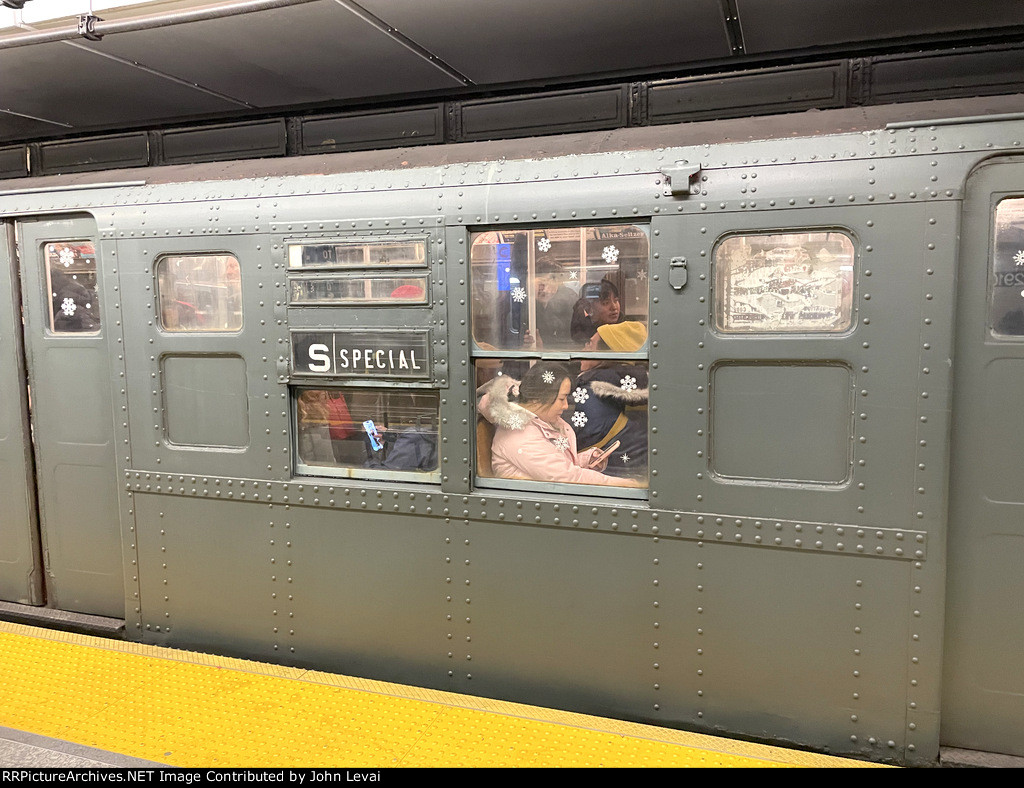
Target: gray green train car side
(826, 548)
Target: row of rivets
(817, 537)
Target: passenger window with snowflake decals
(550, 288)
(544, 414)
(1006, 302)
(71, 277)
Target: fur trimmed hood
(623, 385)
(495, 406)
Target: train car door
(983, 695)
(21, 577)
(69, 396)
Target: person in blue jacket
(610, 400)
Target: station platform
(75, 700)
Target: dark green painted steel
(21, 575)
(69, 380)
(983, 693)
(808, 610)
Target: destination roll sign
(362, 353)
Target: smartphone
(600, 454)
(371, 431)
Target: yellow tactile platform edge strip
(198, 710)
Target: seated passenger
(591, 312)
(611, 397)
(531, 440)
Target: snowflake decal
(67, 257)
(561, 442)
(573, 274)
(68, 306)
(579, 419)
(544, 245)
(610, 254)
(1019, 257)
(580, 396)
(518, 295)
(627, 383)
(624, 458)
(641, 275)
(548, 377)
(516, 422)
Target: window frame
(158, 292)
(302, 469)
(994, 275)
(719, 286)
(50, 313)
(477, 354)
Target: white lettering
(412, 354)
(343, 358)
(319, 353)
(377, 359)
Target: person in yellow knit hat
(610, 400)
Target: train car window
(786, 282)
(560, 319)
(1006, 302)
(358, 289)
(199, 293)
(359, 254)
(71, 278)
(550, 288)
(367, 433)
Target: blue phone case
(371, 431)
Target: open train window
(367, 433)
(560, 319)
(784, 282)
(199, 293)
(71, 280)
(1006, 302)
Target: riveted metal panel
(736, 95)
(151, 413)
(96, 153)
(982, 692)
(528, 613)
(69, 376)
(798, 576)
(217, 143)
(584, 110)
(368, 130)
(13, 162)
(359, 593)
(837, 673)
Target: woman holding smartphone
(531, 439)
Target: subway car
(662, 424)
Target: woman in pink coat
(531, 440)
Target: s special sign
(362, 353)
